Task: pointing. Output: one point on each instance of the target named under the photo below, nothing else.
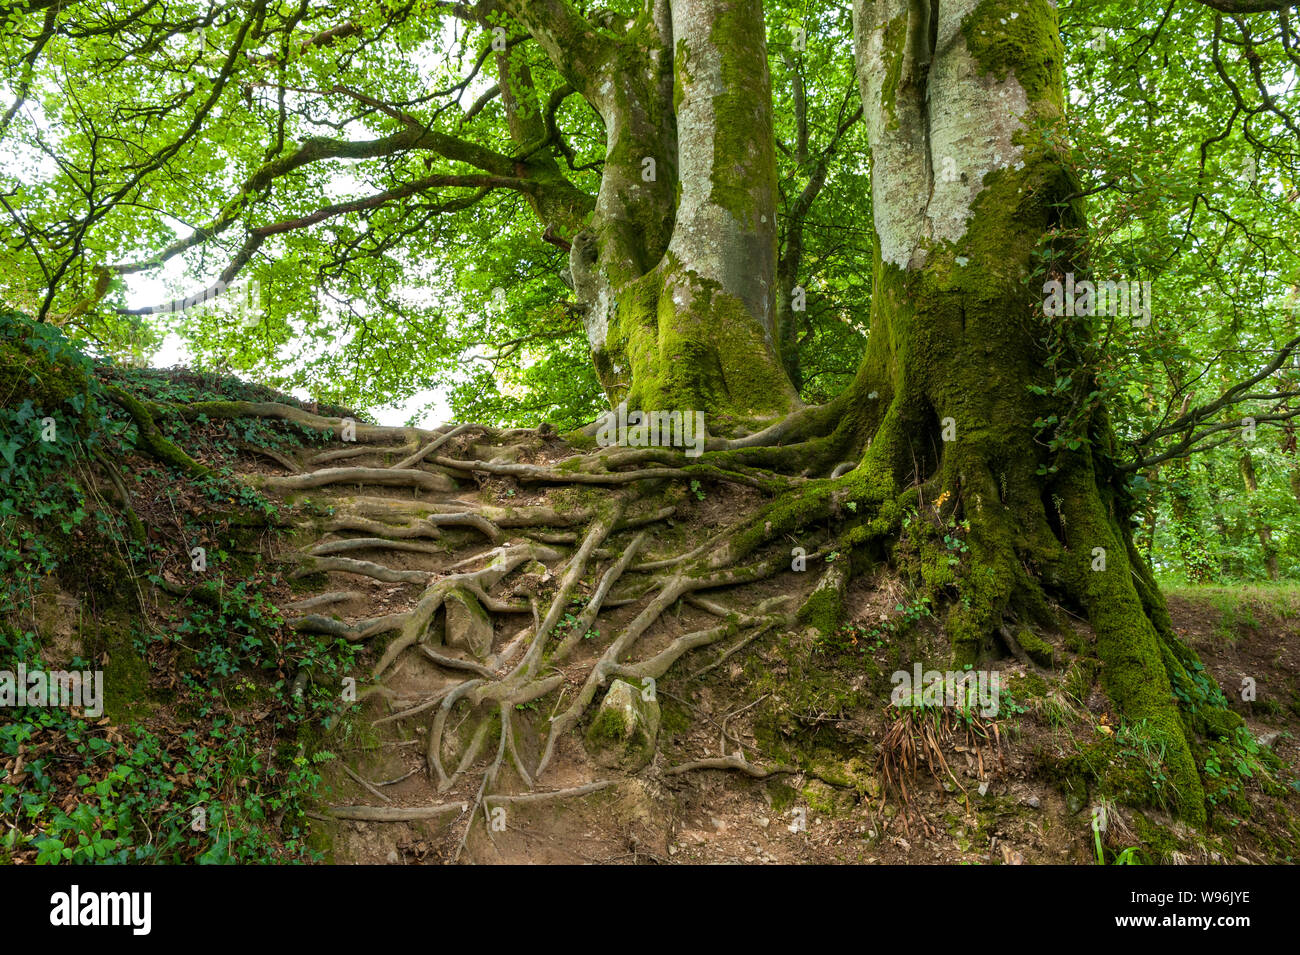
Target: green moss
(127, 697)
(607, 733)
(676, 718)
(744, 161)
(1158, 844)
(579, 442)
(39, 365)
(708, 354)
(824, 609)
(894, 40)
(1007, 36)
(828, 800)
(321, 837)
(151, 439)
(1029, 686)
(935, 568)
(1219, 723)
(1080, 678)
(29, 375)
(854, 774)
(625, 728)
(795, 680)
(1136, 663)
(782, 795)
(1038, 649)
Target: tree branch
(1248, 6)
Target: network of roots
(514, 581)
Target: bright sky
(147, 290)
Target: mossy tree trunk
(970, 403)
(962, 365)
(1262, 529)
(675, 269)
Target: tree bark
(966, 187)
(709, 339)
(1262, 529)
(676, 269)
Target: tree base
(640, 567)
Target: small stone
(623, 733)
(1032, 802)
(764, 822)
(468, 625)
(393, 857)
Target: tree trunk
(676, 270)
(1218, 521)
(971, 406)
(1187, 532)
(698, 327)
(1262, 529)
(966, 188)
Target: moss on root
(152, 440)
(824, 610)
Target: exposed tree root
(558, 564)
(321, 600)
(362, 568)
(396, 813)
(366, 784)
(381, 530)
(733, 762)
(151, 438)
(545, 796)
(383, 477)
(371, 543)
(286, 462)
(434, 445)
(345, 454)
(353, 633)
